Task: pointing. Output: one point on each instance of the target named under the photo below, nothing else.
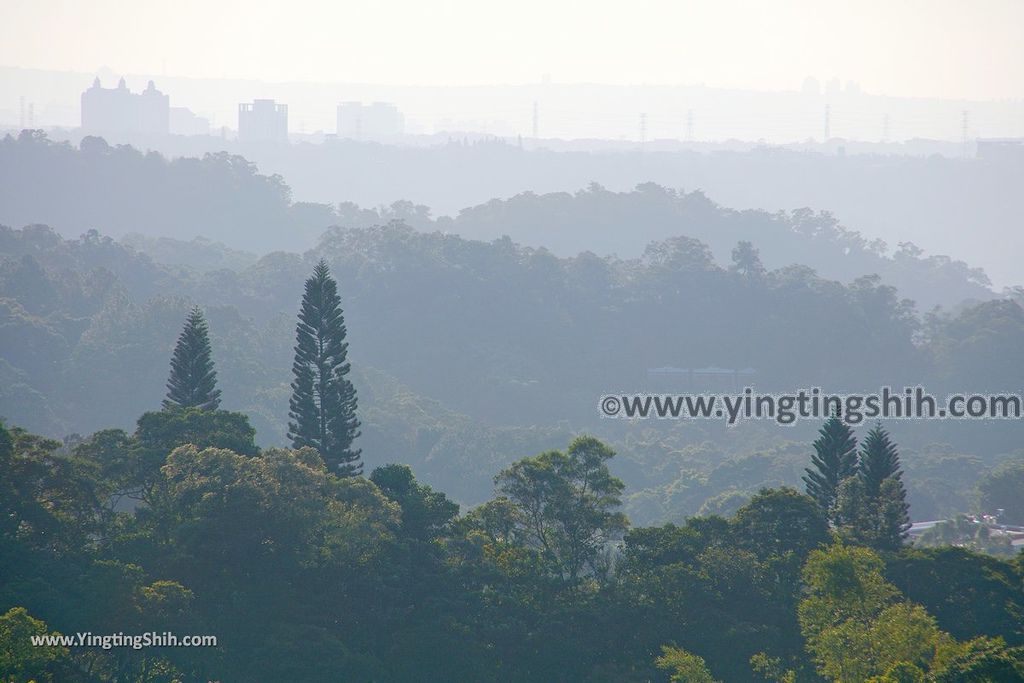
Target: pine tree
(893, 515)
(882, 476)
(834, 459)
(853, 517)
(193, 381)
(323, 403)
(878, 460)
(871, 508)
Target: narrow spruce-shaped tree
(879, 460)
(193, 380)
(882, 476)
(834, 459)
(323, 403)
(893, 515)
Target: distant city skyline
(120, 110)
(937, 48)
(554, 110)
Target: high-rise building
(263, 121)
(377, 121)
(118, 110)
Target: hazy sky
(941, 48)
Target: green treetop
(193, 381)
(834, 459)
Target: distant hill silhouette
(224, 198)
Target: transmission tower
(964, 119)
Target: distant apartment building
(377, 121)
(263, 121)
(118, 110)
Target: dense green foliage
(567, 507)
(859, 628)
(185, 525)
(1000, 492)
(92, 317)
(481, 546)
(303, 575)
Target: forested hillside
(934, 194)
(619, 223)
(301, 567)
(218, 196)
(344, 349)
(300, 574)
(381, 458)
(528, 344)
(224, 198)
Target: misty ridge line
(467, 172)
(239, 207)
(920, 198)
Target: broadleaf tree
(566, 505)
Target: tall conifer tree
(193, 380)
(834, 459)
(879, 460)
(883, 487)
(893, 515)
(323, 403)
